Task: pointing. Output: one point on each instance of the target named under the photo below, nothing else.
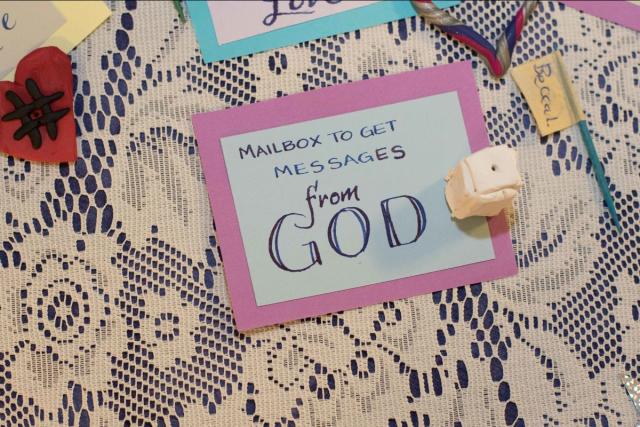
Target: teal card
(281, 23)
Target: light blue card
(362, 17)
(384, 216)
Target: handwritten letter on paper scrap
(333, 199)
(24, 27)
(27, 25)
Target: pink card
(334, 199)
(626, 13)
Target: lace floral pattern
(112, 294)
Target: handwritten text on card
(355, 198)
(237, 20)
(291, 7)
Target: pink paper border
(620, 12)
(211, 127)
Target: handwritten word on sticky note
(333, 199)
(549, 93)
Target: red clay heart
(36, 118)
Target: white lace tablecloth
(113, 302)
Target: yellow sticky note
(82, 18)
(549, 93)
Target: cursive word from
(335, 239)
(543, 71)
(291, 7)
